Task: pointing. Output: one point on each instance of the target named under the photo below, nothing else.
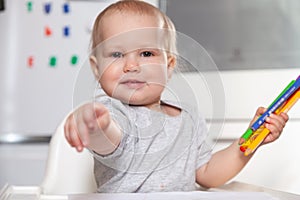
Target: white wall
(244, 90)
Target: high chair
(67, 171)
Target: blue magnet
(66, 8)
(66, 31)
(47, 8)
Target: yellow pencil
(245, 145)
(260, 136)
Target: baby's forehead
(128, 21)
(133, 13)
(136, 39)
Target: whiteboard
(36, 97)
(40, 60)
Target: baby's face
(132, 63)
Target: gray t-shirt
(157, 152)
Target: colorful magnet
(66, 31)
(47, 31)
(29, 6)
(74, 60)
(47, 8)
(30, 61)
(66, 8)
(52, 61)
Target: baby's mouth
(133, 84)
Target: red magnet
(30, 61)
(48, 31)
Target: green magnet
(74, 60)
(52, 61)
(29, 6)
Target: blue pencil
(276, 105)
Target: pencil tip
(243, 148)
(241, 141)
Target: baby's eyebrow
(112, 47)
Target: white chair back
(67, 171)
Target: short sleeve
(204, 149)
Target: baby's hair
(136, 7)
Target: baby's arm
(227, 163)
(91, 126)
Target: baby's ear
(94, 66)
(171, 65)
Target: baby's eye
(147, 54)
(116, 54)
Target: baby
(139, 142)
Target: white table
(243, 187)
(234, 190)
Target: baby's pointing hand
(84, 121)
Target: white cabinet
(22, 164)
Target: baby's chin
(135, 102)
(132, 102)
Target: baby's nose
(131, 64)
